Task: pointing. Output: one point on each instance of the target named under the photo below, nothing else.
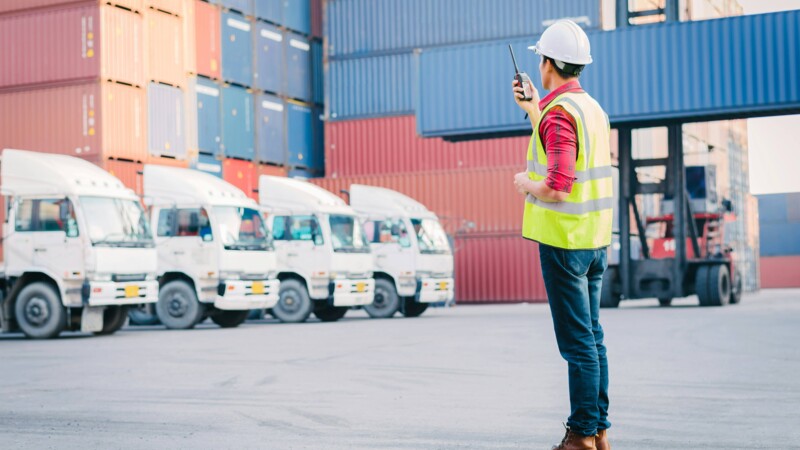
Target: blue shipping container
(237, 49)
(207, 164)
(376, 87)
(297, 15)
(270, 129)
(166, 121)
(270, 68)
(209, 134)
(779, 208)
(356, 27)
(317, 162)
(237, 123)
(270, 10)
(298, 66)
(298, 172)
(300, 134)
(779, 239)
(640, 74)
(317, 73)
(243, 6)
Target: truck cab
(215, 255)
(325, 260)
(77, 247)
(413, 258)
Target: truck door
(186, 242)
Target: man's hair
(569, 70)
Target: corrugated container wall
(270, 129)
(379, 86)
(297, 16)
(238, 135)
(208, 164)
(317, 73)
(269, 10)
(242, 174)
(243, 6)
(779, 224)
(298, 66)
(316, 18)
(164, 56)
(391, 145)
(207, 39)
(237, 49)
(18, 5)
(270, 68)
(780, 271)
(272, 170)
(368, 26)
(86, 42)
(302, 173)
(95, 119)
(299, 133)
(166, 118)
(204, 102)
(167, 6)
(127, 172)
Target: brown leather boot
(601, 440)
(575, 441)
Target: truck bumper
(237, 295)
(434, 290)
(353, 292)
(111, 293)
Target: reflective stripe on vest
(583, 220)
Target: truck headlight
(230, 275)
(338, 276)
(101, 277)
(422, 274)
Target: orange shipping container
(242, 174)
(275, 171)
(205, 34)
(130, 173)
(18, 5)
(164, 38)
(90, 120)
(168, 6)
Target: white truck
(77, 247)
(413, 258)
(326, 264)
(215, 256)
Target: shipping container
(653, 88)
(779, 239)
(297, 15)
(379, 86)
(85, 42)
(358, 27)
(501, 268)
(269, 10)
(208, 164)
(270, 129)
(276, 171)
(779, 208)
(298, 66)
(19, 5)
(175, 7)
(316, 18)
(302, 173)
(478, 201)
(204, 110)
(243, 175)
(206, 37)
(238, 135)
(391, 145)
(130, 173)
(299, 134)
(237, 49)
(166, 126)
(318, 140)
(317, 73)
(164, 50)
(243, 6)
(780, 272)
(270, 68)
(89, 120)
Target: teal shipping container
(237, 123)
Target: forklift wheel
(713, 285)
(736, 292)
(608, 299)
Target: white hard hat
(564, 41)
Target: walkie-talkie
(522, 78)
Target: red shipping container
(164, 49)
(501, 268)
(316, 18)
(780, 271)
(18, 5)
(275, 171)
(204, 32)
(391, 145)
(242, 174)
(90, 120)
(130, 173)
(86, 42)
(485, 197)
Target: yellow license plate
(258, 287)
(442, 285)
(361, 287)
(131, 291)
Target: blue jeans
(573, 279)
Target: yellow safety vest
(584, 220)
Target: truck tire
(713, 285)
(39, 312)
(736, 292)
(386, 301)
(665, 302)
(178, 307)
(256, 314)
(143, 315)
(327, 313)
(294, 305)
(608, 299)
(113, 320)
(230, 319)
(411, 308)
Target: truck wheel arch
(177, 276)
(20, 282)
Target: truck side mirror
(727, 205)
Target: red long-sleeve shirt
(558, 133)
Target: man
(568, 211)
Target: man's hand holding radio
(530, 106)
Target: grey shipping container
(166, 118)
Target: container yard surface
(468, 377)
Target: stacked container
(779, 221)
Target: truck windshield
(347, 235)
(431, 236)
(241, 228)
(116, 222)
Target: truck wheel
(177, 306)
(386, 301)
(113, 319)
(39, 311)
(256, 314)
(713, 285)
(326, 313)
(294, 305)
(608, 299)
(413, 309)
(665, 302)
(143, 315)
(736, 292)
(230, 319)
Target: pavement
(482, 377)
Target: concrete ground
(481, 377)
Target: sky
(774, 146)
